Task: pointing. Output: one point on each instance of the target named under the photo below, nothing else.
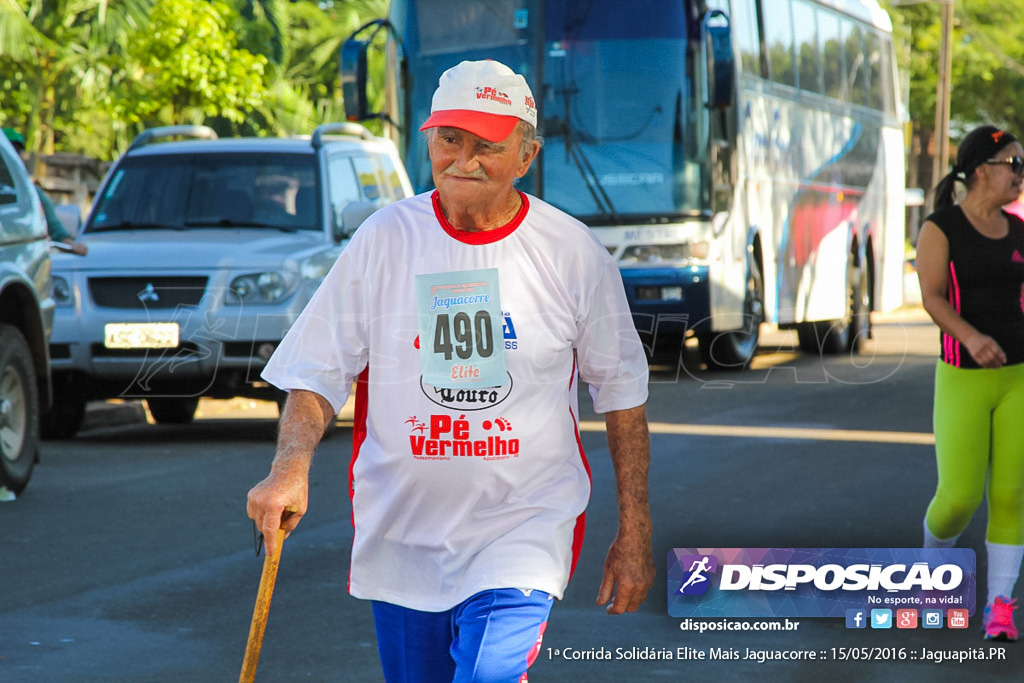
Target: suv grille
(147, 292)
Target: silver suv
(26, 317)
(202, 252)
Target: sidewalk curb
(113, 413)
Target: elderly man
(468, 315)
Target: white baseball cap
(485, 98)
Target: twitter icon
(881, 618)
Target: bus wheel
(846, 335)
(735, 349)
(860, 311)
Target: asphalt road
(129, 558)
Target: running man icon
(697, 570)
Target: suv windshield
(197, 191)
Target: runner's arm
(629, 566)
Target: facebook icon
(856, 618)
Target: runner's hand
(628, 574)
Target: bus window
(745, 29)
(482, 26)
(855, 67)
(878, 73)
(621, 138)
(779, 38)
(806, 38)
(831, 54)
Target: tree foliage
(187, 68)
(53, 55)
(86, 76)
(987, 67)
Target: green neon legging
(979, 430)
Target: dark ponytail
(945, 189)
(976, 148)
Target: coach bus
(742, 160)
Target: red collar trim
(482, 236)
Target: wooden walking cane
(262, 609)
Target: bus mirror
(720, 57)
(353, 79)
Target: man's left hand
(628, 572)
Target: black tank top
(985, 280)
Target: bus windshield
(617, 97)
(619, 112)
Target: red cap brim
(492, 127)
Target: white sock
(1003, 569)
(931, 541)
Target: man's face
(469, 170)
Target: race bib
(460, 325)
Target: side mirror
(351, 217)
(353, 79)
(720, 58)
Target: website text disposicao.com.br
(704, 625)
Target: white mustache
(475, 175)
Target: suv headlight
(664, 253)
(62, 291)
(261, 288)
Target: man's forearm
(629, 565)
(630, 446)
(303, 422)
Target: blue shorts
(493, 636)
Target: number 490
(467, 334)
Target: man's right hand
(287, 486)
(268, 500)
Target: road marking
(807, 433)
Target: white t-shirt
(458, 490)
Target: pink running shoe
(998, 620)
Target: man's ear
(527, 159)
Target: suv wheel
(19, 410)
(173, 411)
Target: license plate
(140, 335)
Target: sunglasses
(1016, 164)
